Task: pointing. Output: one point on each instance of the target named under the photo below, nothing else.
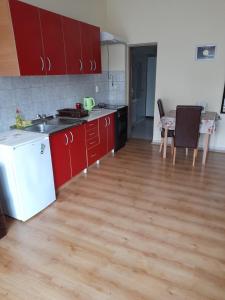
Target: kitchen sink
(52, 125)
(62, 121)
(43, 128)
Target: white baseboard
(213, 149)
(217, 149)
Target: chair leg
(186, 151)
(196, 152)
(161, 145)
(174, 155)
(172, 146)
(194, 156)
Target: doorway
(142, 90)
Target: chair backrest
(161, 110)
(187, 126)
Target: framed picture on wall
(223, 102)
(205, 52)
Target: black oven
(121, 127)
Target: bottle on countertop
(19, 119)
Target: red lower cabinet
(60, 158)
(107, 134)
(103, 122)
(78, 150)
(93, 141)
(68, 154)
(93, 155)
(111, 132)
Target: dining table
(207, 127)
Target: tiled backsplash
(46, 94)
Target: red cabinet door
(91, 50)
(103, 129)
(52, 34)
(60, 153)
(96, 49)
(27, 30)
(72, 39)
(93, 154)
(77, 149)
(111, 132)
(86, 43)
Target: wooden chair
(187, 129)
(170, 132)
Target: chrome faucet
(43, 116)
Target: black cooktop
(109, 106)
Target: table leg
(206, 147)
(165, 143)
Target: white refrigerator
(26, 176)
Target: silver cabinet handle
(49, 64)
(42, 63)
(91, 65)
(93, 155)
(71, 137)
(109, 121)
(106, 122)
(95, 65)
(67, 140)
(81, 65)
(93, 133)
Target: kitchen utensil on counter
(89, 103)
(72, 113)
(79, 105)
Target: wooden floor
(134, 228)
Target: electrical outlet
(96, 89)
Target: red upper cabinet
(82, 47)
(86, 43)
(91, 50)
(78, 149)
(27, 30)
(72, 39)
(96, 50)
(40, 42)
(53, 42)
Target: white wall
(116, 55)
(177, 26)
(92, 12)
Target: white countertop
(98, 113)
(16, 137)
